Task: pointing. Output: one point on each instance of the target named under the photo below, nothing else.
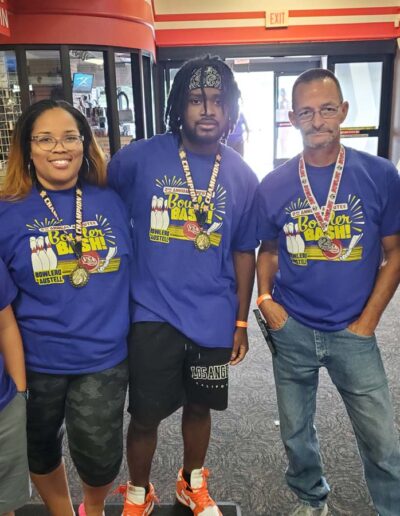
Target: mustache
(208, 120)
(315, 131)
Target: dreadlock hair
(177, 99)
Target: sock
(136, 494)
(196, 478)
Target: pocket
(357, 335)
(281, 327)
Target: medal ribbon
(201, 215)
(323, 216)
(76, 243)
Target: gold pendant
(202, 241)
(79, 277)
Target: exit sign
(276, 19)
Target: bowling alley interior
(115, 61)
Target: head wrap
(205, 77)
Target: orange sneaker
(137, 509)
(196, 495)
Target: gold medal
(79, 277)
(325, 243)
(202, 241)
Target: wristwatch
(25, 394)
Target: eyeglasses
(48, 143)
(306, 115)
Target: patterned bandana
(205, 77)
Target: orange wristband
(263, 298)
(242, 324)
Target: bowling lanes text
(49, 277)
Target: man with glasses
(324, 218)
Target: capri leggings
(90, 407)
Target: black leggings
(92, 406)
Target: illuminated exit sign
(4, 26)
(275, 19)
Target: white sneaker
(307, 510)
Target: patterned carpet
(246, 457)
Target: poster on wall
(4, 25)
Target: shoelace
(201, 495)
(123, 489)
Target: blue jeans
(355, 367)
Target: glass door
(363, 80)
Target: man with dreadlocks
(190, 200)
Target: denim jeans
(355, 367)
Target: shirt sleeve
(8, 290)
(245, 235)
(121, 171)
(267, 229)
(390, 223)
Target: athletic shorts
(91, 406)
(167, 370)
(14, 472)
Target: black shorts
(167, 370)
(92, 406)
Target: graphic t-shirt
(69, 330)
(8, 292)
(172, 281)
(327, 288)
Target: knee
(382, 449)
(97, 467)
(141, 429)
(196, 411)
(44, 456)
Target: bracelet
(242, 324)
(263, 298)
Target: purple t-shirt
(8, 292)
(172, 281)
(68, 330)
(327, 289)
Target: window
(44, 74)
(126, 112)
(10, 103)
(88, 92)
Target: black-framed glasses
(48, 143)
(306, 115)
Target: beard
(309, 142)
(197, 138)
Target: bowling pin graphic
(51, 255)
(165, 216)
(299, 241)
(36, 263)
(288, 241)
(42, 254)
(292, 238)
(158, 217)
(153, 212)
